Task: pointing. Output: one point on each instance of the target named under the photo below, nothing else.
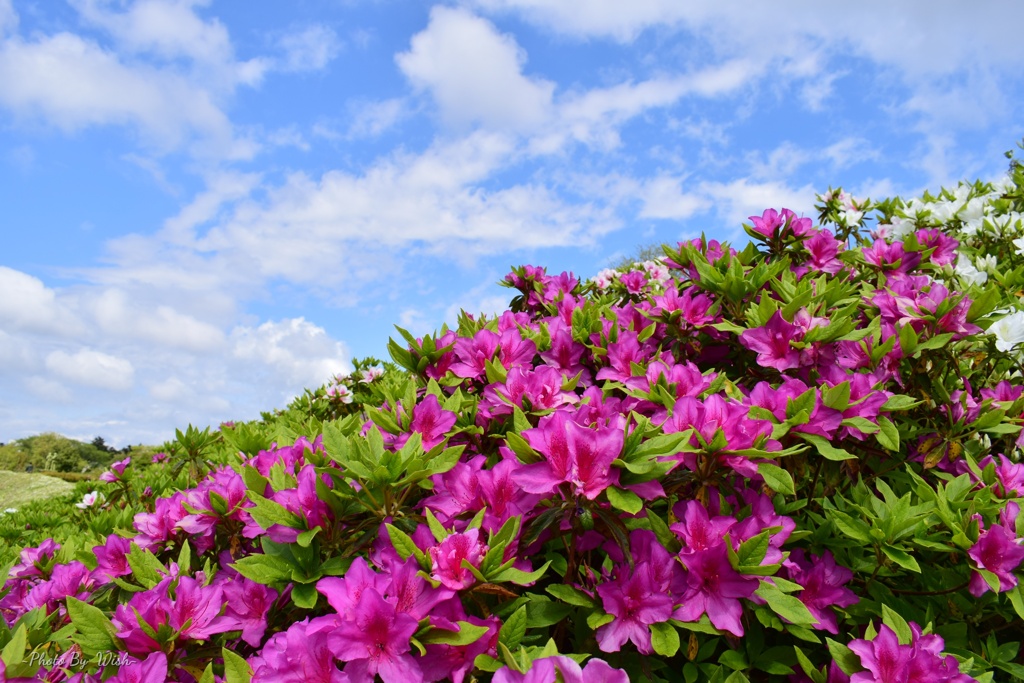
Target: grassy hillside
(18, 488)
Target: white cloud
(73, 83)
(16, 355)
(475, 73)
(917, 36)
(161, 325)
(611, 18)
(91, 368)
(309, 49)
(664, 198)
(49, 390)
(8, 17)
(170, 29)
(293, 351)
(27, 304)
(370, 119)
(736, 200)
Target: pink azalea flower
(116, 470)
(635, 602)
(152, 668)
(577, 455)
(447, 559)
(248, 604)
(772, 343)
(112, 558)
(823, 584)
(375, 641)
(715, 589)
(564, 669)
(33, 558)
(299, 655)
(887, 661)
(999, 551)
(431, 421)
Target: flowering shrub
(797, 460)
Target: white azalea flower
(89, 499)
(604, 278)
(968, 273)
(987, 263)
(1019, 243)
(1009, 332)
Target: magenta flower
(768, 223)
(576, 455)
(999, 551)
(455, 663)
(635, 601)
(116, 470)
(564, 669)
(248, 604)
(112, 558)
(772, 343)
(375, 641)
(193, 612)
(152, 668)
(887, 661)
(473, 354)
(299, 655)
(34, 560)
(447, 559)
(824, 586)
(714, 588)
(431, 421)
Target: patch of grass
(19, 488)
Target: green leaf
(207, 676)
(467, 633)
(520, 577)
(522, 448)
(808, 667)
(786, 606)
(844, 657)
(837, 397)
(908, 340)
(304, 595)
(95, 631)
(573, 596)
(1016, 597)
(436, 528)
(541, 612)
(624, 500)
(14, 651)
(777, 478)
(405, 546)
(888, 435)
(264, 569)
(753, 550)
(826, 449)
(898, 624)
(267, 513)
(899, 402)
(665, 639)
(902, 558)
(236, 669)
(514, 628)
(146, 569)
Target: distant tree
(101, 445)
(644, 252)
(56, 452)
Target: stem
(942, 592)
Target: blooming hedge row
(799, 459)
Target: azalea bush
(795, 460)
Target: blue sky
(208, 206)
